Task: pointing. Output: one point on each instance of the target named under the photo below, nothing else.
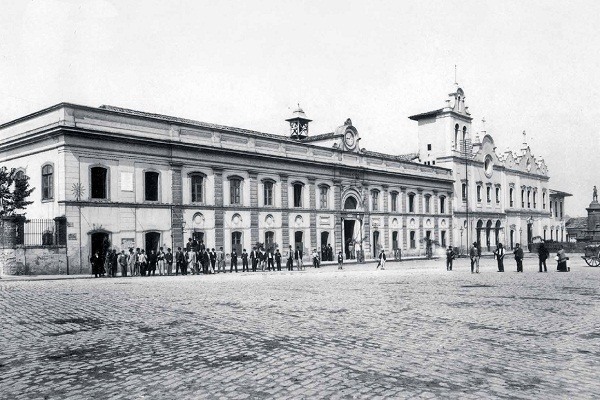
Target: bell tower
(298, 124)
(443, 132)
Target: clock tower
(298, 124)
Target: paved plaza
(410, 331)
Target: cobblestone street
(413, 330)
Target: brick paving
(411, 331)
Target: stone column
(386, 219)
(219, 210)
(177, 205)
(403, 222)
(253, 177)
(285, 213)
(313, 211)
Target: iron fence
(43, 232)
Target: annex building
(498, 197)
(147, 180)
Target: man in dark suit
(278, 259)
(270, 260)
(233, 261)
(254, 258)
(245, 261)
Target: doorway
(324, 242)
(152, 241)
(100, 244)
(236, 242)
(298, 240)
(488, 234)
(530, 236)
(349, 238)
(198, 237)
(376, 244)
(512, 239)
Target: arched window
(442, 204)
(511, 197)
(522, 198)
(350, 203)
(427, 204)
(235, 190)
(411, 202)
(47, 182)
(544, 200)
(394, 201)
(99, 182)
(298, 193)
(151, 180)
(197, 187)
(497, 194)
(268, 185)
(456, 144)
(464, 134)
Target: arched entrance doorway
(479, 229)
(299, 240)
(498, 228)
(512, 239)
(236, 242)
(488, 234)
(324, 242)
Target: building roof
(577, 223)
(559, 193)
(424, 115)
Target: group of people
(499, 254)
(196, 258)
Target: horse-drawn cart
(592, 255)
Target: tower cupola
(298, 124)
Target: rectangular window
(443, 238)
(298, 195)
(478, 194)
(429, 147)
(413, 241)
(498, 195)
(534, 199)
(151, 186)
(427, 204)
(411, 203)
(268, 193)
(98, 177)
(235, 191)
(197, 182)
(522, 199)
(375, 200)
(394, 201)
(464, 192)
(442, 205)
(528, 199)
(544, 201)
(511, 197)
(488, 194)
(324, 194)
(561, 209)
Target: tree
(14, 191)
(429, 243)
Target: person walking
(561, 258)
(315, 258)
(450, 256)
(382, 259)
(543, 254)
(499, 255)
(475, 254)
(519, 257)
(340, 260)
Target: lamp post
(182, 232)
(521, 236)
(461, 238)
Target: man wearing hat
(519, 257)
(382, 259)
(449, 257)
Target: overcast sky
(532, 66)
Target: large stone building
(498, 197)
(146, 180)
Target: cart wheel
(594, 262)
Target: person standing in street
(449, 258)
(179, 261)
(475, 254)
(96, 263)
(254, 258)
(245, 261)
(221, 260)
(270, 259)
(519, 257)
(290, 259)
(561, 258)
(382, 258)
(543, 254)
(278, 259)
(499, 255)
(169, 261)
(298, 257)
(234, 258)
(122, 260)
(340, 260)
(160, 261)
